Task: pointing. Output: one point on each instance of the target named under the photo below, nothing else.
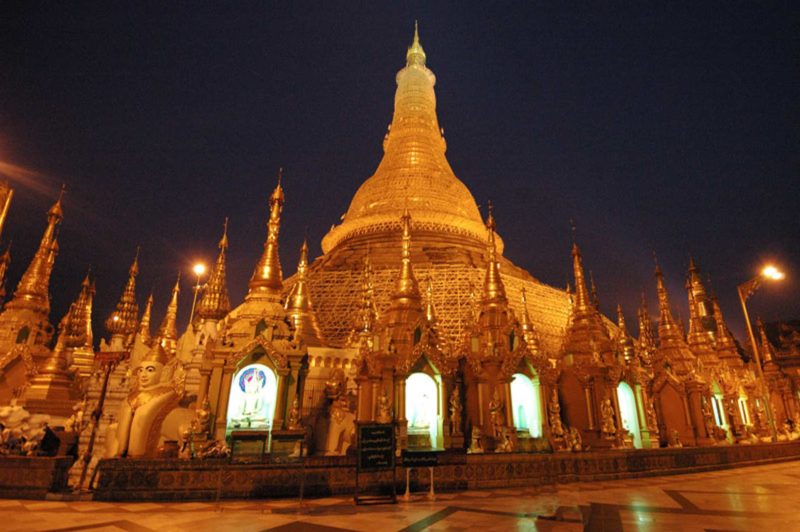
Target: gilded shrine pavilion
(411, 316)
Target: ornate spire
(406, 293)
(299, 306)
(79, 322)
(144, 323)
(415, 54)
(581, 293)
(215, 303)
(767, 352)
(494, 292)
(528, 330)
(268, 276)
(593, 288)
(122, 322)
(167, 334)
(723, 335)
(624, 340)
(33, 289)
(368, 314)
(647, 341)
(5, 262)
(430, 310)
(698, 337)
(667, 327)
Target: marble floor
(751, 498)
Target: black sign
(420, 458)
(376, 447)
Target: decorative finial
(415, 54)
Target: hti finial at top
(415, 54)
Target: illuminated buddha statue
(151, 398)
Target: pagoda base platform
(196, 480)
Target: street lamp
(199, 270)
(770, 273)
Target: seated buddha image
(421, 413)
(252, 405)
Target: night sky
(672, 130)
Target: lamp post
(746, 290)
(199, 269)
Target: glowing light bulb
(199, 269)
(771, 272)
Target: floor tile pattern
(751, 498)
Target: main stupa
(449, 235)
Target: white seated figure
(152, 396)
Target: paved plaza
(750, 498)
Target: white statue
(153, 395)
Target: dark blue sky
(672, 129)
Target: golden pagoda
(448, 235)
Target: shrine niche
(423, 412)
(629, 413)
(526, 405)
(251, 404)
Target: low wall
(139, 480)
(23, 477)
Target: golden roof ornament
(494, 291)
(215, 303)
(299, 306)
(268, 277)
(593, 288)
(415, 54)
(767, 352)
(626, 344)
(122, 322)
(667, 327)
(167, 334)
(582, 301)
(406, 293)
(368, 314)
(528, 330)
(33, 289)
(430, 309)
(79, 321)
(144, 323)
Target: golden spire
(33, 289)
(430, 310)
(581, 293)
(698, 337)
(215, 303)
(723, 335)
(122, 321)
(299, 306)
(646, 333)
(666, 322)
(167, 334)
(406, 293)
(144, 323)
(5, 262)
(368, 314)
(624, 338)
(767, 353)
(593, 288)
(415, 54)
(494, 292)
(268, 276)
(79, 322)
(528, 330)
